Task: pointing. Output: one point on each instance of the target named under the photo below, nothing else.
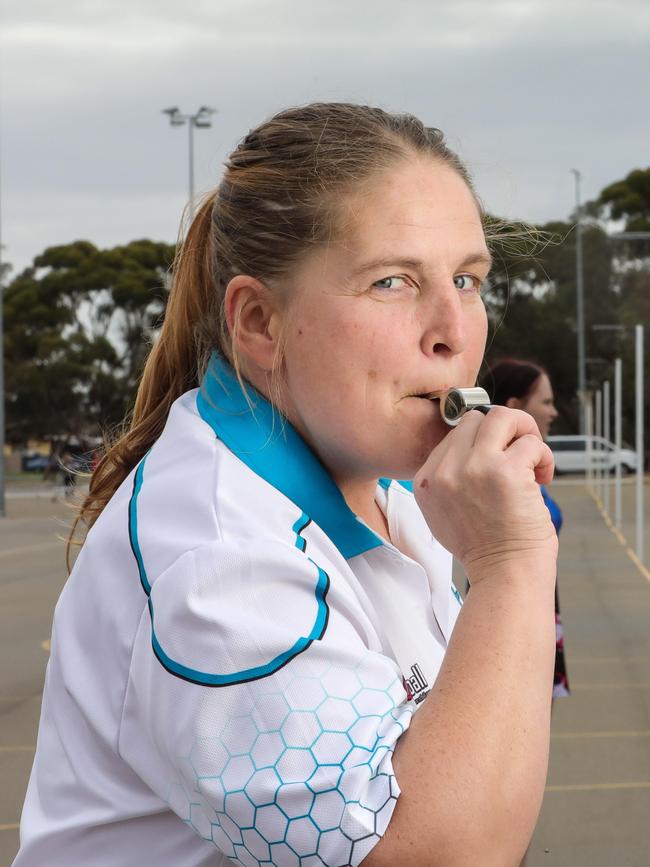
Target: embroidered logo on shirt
(416, 685)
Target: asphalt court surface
(597, 803)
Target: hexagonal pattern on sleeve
(237, 773)
(327, 810)
(300, 728)
(295, 800)
(336, 714)
(240, 808)
(305, 777)
(305, 693)
(239, 735)
(302, 836)
(271, 823)
(282, 854)
(267, 749)
(334, 848)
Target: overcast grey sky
(524, 89)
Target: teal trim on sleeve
(133, 525)
(204, 678)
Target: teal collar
(267, 443)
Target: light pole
(580, 305)
(201, 120)
(2, 379)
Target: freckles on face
(391, 313)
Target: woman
(526, 386)
(253, 656)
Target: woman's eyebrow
(481, 257)
(388, 262)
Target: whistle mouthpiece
(458, 401)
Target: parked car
(571, 454)
(34, 463)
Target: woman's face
(539, 403)
(390, 313)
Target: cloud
(524, 90)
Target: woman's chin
(413, 457)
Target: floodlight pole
(580, 305)
(2, 376)
(200, 119)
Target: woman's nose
(446, 333)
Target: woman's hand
(479, 492)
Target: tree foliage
(532, 308)
(77, 328)
(628, 200)
(79, 321)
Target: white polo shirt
(234, 656)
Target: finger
(533, 452)
(461, 435)
(502, 426)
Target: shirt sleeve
(257, 710)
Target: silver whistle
(458, 401)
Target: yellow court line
(621, 538)
(591, 787)
(20, 748)
(10, 827)
(45, 645)
(645, 733)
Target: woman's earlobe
(514, 403)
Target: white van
(572, 452)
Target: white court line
(643, 733)
(27, 549)
(598, 787)
(583, 687)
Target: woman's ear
(254, 321)
(514, 403)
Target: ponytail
(174, 365)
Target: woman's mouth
(430, 395)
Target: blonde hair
(277, 200)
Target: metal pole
(200, 119)
(597, 442)
(638, 347)
(606, 435)
(589, 457)
(618, 436)
(2, 373)
(190, 126)
(580, 306)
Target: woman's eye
(390, 283)
(467, 283)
